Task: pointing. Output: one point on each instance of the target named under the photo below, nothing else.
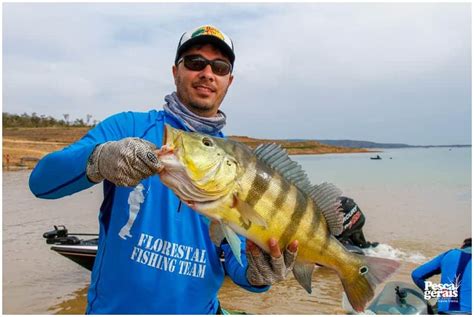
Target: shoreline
(24, 147)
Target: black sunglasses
(198, 63)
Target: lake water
(405, 189)
(417, 203)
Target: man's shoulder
(151, 115)
(135, 118)
(131, 123)
(454, 254)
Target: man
(163, 261)
(455, 267)
(354, 221)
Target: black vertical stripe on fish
(281, 196)
(296, 217)
(242, 155)
(244, 163)
(315, 221)
(260, 184)
(326, 241)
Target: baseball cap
(206, 34)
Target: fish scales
(263, 189)
(263, 195)
(261, 192)
(260, 183)
(289, 213)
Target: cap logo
(208, 30)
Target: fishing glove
(124, 163)
(264, 269)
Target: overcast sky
(392, 72)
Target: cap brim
(207, 39)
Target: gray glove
(264, 269)
(124, 163)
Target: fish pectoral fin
(234, 242)
(216, 233)
(248, 214)
(303, 273)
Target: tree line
(40, 121)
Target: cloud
(312, 70)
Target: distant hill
(299, 146)
(372, 145)
(24, 146)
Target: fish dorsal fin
(326, 197)
(277, 158)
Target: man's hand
(267, 269)
(124, 163)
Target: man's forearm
(61, 173)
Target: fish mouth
(170, 136)
(167, 153)
(175, 175)
(166, 135)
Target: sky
(382, 72)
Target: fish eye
(363, 270)
(207, 142)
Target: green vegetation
(34, 121)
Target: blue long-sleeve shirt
(453, 265)
(167, 263)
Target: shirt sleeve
(421, 273)
(238, 273)
(63, 172)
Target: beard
(205, 107)
(200, 106)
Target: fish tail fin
(359, 283)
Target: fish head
(197, 167)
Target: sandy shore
(23, 147)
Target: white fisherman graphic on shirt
(135, 198)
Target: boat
(79, 250)
(354, 249)
(400, 298)
(84, 251)
(375, 157)
(396, 298)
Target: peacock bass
(261, 194)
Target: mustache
(206, 83)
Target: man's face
(201, 91)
